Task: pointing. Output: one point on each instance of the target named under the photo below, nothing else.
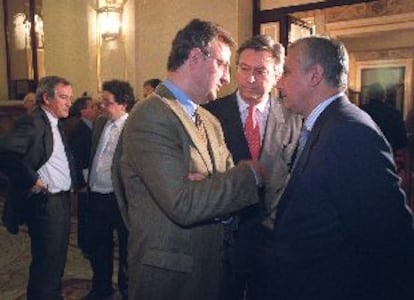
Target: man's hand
(38, 187)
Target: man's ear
(317, 74)
(194, 56)
(45, 98)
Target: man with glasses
(272, 140)
(178, 175)
(106, 209)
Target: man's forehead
(262, 56)
(220, 48)
(62, 88)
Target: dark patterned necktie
(252, 133)
(200, 126)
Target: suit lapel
(228, 113)
(329, 113)
(48, 136)
(274, 131)
(192, 131)
(96, 135)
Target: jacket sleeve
(13, 150)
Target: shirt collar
(244, 106)
(52, 119)
(313, 116)
(119, 123)
(189, 106)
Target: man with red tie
(256, 126)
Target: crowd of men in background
(300, 191)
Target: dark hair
(329, 53)
(264, 43)
(196, 34)
(122, 91)
(154, 82)
(47, 86)
(78, 105)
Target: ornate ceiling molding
(377, 24)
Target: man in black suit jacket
(35, 157)
(84, 111)
(259, 65)
(342, 229)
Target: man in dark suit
(106, 209)
(342, 229)
(178, 174)
(259, 66)
(84, 111)
(35, 157)
(80, 137)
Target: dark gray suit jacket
(342, 229)
(22, 152)
(115, 170)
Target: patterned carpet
(15, 260)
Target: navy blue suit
(342, 229)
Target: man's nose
(225, 79)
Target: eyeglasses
(220, 63)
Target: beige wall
(158, 21)
(70, 43)
(73, 48)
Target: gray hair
(330, 54)
(47, 86)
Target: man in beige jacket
(179, 178)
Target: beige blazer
(174, 223)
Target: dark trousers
(83, 222)
(104, 219)
(245, 263)
(48, 221)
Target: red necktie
(252, 133)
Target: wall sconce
(110, 21)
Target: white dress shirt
(55, 173)
(100, 180)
